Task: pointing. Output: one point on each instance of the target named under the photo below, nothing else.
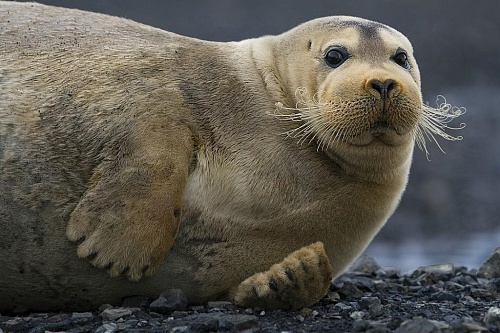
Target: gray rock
(239, 322)
(360, 325)
(394, 323)
(365, 265)
(132, 322)
(107, 328)
(465, 280)
(369, 326)
(114, 314)
(479, 293)
(357, 315)
(136, 302)
(439, 272)
(490, 269)
(421, 325)
(180, 329)
(349, 291)
(453, 286)
(14, 325)
(389, 286)
(452, 319)
(105, 306)
(388, 272)
(493, 286)
(79, 318)
(376, 310)
(206, 322)
(222, 305)
(366, 302)
(469, 326)
(342, 307)
(170, 301)
(492, 317)
(441, 296)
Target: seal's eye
(401, 59)
(336, 56)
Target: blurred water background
(450, 211)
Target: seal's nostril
(377, 85)
(383, 88)
(389, 84)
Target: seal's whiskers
(326, 121)
(434, 121)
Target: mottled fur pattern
(157, 157)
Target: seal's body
(123, 138)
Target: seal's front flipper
(127, 219)
(301, 279)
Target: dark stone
(341, 307)
(362, 325)
(206, 322)
(114, 314)
(107, 328)
(349, 291)
(444, 296)
(78, 318)
(14, 325)
(376, 310)
(493, 286)
(490, 269)
(394, 323)
(452, 319)
(357, 280)
(421, 325)
(453, 286)
(54, 323)
(479, 293)
(390, 287)
(239, 322)
(434, 272)
(170, 301)
(136, 302)
(465, 280)
(366, 302)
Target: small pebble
(114, 314)
(492, 317)
(356, 315)
(170, 301)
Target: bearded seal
(253, 171)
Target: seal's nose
(383, 88)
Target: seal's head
(353, 88)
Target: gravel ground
(369, 298)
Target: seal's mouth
(361, 122)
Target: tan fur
(112, 132)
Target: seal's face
(366, 91)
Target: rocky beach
(367, 298)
